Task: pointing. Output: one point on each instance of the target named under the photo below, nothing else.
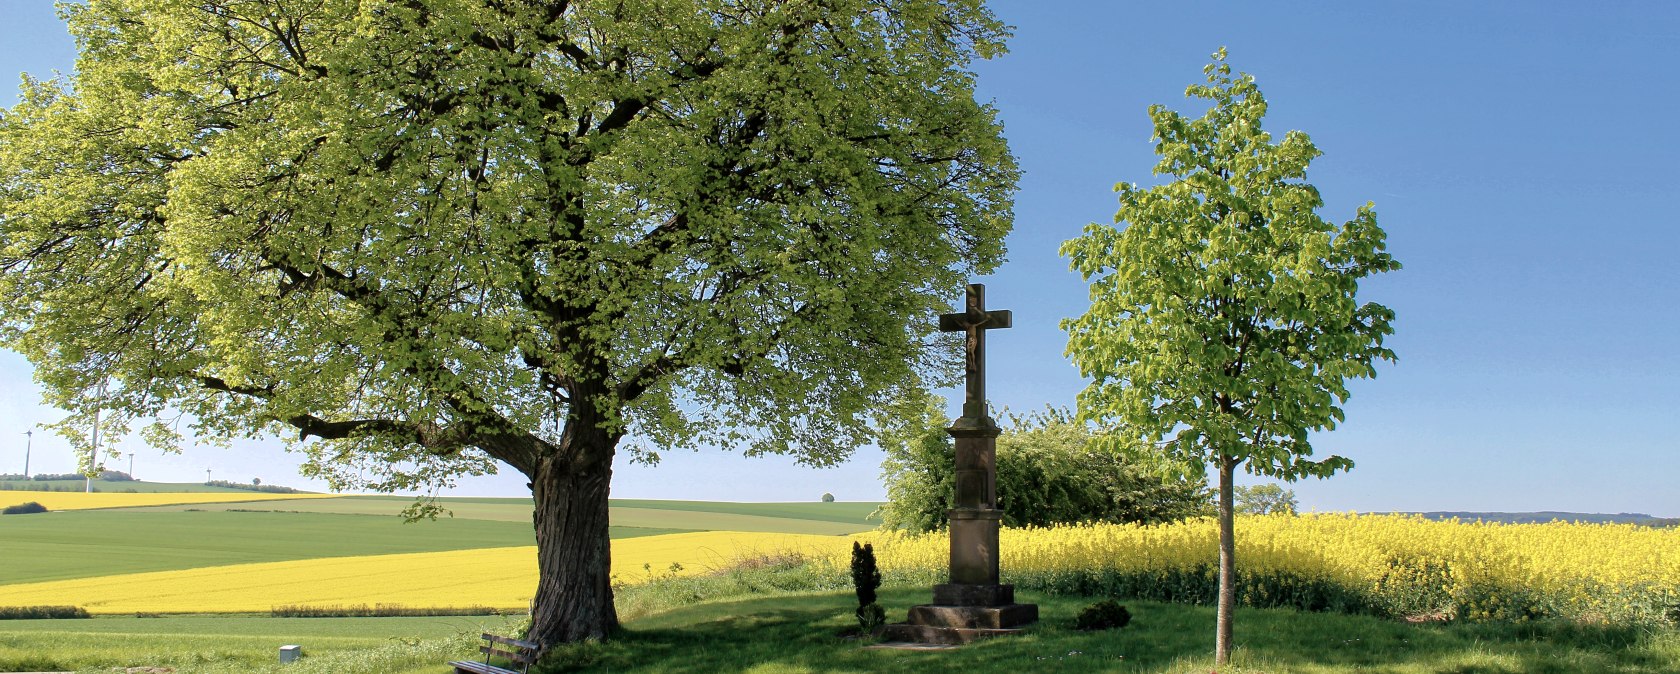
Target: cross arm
(991, 320)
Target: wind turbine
(92, 467)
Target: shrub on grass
(23, 509)
(264, 488)
(866, 578)
(1103, 615)
(42, 612)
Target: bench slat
(513, 642)
(520, 657)
(479, 668)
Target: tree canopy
(1225, 317)
(1265, 499)
(430, 235)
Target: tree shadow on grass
(805, 633)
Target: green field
(848, 512)
(120, 486)
(797, 518)
(79, 544)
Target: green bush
(1103, 615)
(264, 488)
(1048, 472)
(827, 497)
(42, 612)
(23, 509)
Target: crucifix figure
(975, 321)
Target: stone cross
(975, 321)
(973, 604)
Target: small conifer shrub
(866, 578)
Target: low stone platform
(963, 614)
(974, 617)
(943, 636)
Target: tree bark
(574, 599)
(1227, 564)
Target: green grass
(808, 633)
(120, 486)
(79, 544)
(803, 633)
(242, 643)
(796, 518)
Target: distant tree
(429, 236)
(1265, 499)
(1225, 314)
(827, 497)
(1047, 473)
(256, 481)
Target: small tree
(1224, 314)
(827, 497)
(866, 578)
(256, 482)
(1265, 499)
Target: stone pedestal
(974, 605)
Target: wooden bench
(520, 653)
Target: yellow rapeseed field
(1406, 563)
(1386, 564)
(495, 577)
(60, 500)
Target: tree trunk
(1227, 565)
(574, 599)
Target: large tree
(417, 236)
(1224, 316)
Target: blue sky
(1521, 156)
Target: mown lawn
(82, 544)
(217, 644)
(798, 635)
(806, 633)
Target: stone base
(974, 617)
(945, 636)
(956, 625)
(966, 594)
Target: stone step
(950, 636)
(974, 617)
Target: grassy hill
(1544, 516)
(81, 544)
(118, 486)
(797, 518)
(84, 544)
